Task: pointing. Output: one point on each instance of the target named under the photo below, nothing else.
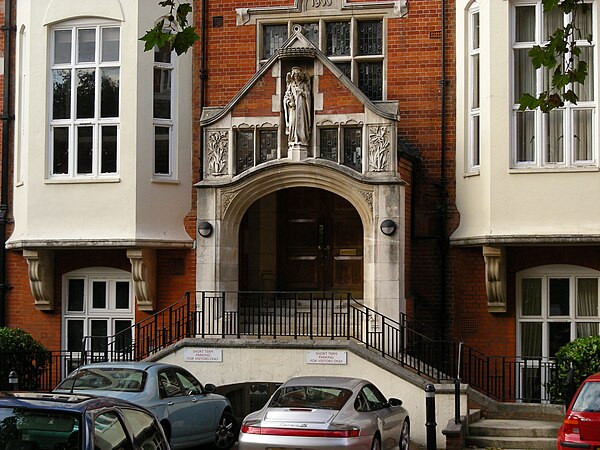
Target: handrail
(333, 315)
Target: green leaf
(184, 40)
(182, 11)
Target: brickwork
(337, 98)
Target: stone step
(488, 442)
(514, 428)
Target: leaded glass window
(328, 141)
(353, 148)
(244, 144)
(273, 38)
(338, 38)
(370, 37)
(267, 145)
(370, 79)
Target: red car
(581, 427)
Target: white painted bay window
(473, 91)
(563, 138)
(85, 103)
(164, 154)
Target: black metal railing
(310, 315)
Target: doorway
(302, 239)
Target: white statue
(297, 104)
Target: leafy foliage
(561, 57)
(172, 29)
(584, 355)
(23, 354)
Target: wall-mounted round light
(388, 227)
(205, 229)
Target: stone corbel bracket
(495, 278)
(41, 277)
(143, 274)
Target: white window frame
(170, 123)
(474, 90)
(569, 109)
(354, 58)
(110, 313)
(73, 123)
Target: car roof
(339, 382)
(64, 402)
(594, 377)
(141, 365)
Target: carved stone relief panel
(379, 148)
(217, 148)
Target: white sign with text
(203, 355)
(326, 357)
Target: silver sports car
(327, 413)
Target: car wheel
(376, 445)
(226, 432)
(405, 436)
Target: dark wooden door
(320, 243)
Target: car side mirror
(210, 388)
(394, 402)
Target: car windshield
(320, 397)
(106, 379)
(588, 399)
(22, 428)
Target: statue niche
(297, 104)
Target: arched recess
(224, 207)
(67, 9)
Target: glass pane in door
(559, 334)
(558, 296)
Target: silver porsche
(327, 413)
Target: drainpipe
(6, 118)
(203, 78)
(443, 183)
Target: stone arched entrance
(225, 206)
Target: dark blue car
(42, 421)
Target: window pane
(99, 294)
(163, 54)
(475, 136)
(62, 46)
(86, 50)
(123, 337)
(61, 94)
(74, 335)
(162, 151)
(475, 81)
(86, 93)
(245, 150)
(145, 432)
(268, 145)
(582, 135)
(108, 161)
(273, 38)
(84, 149)
(110, 44)
(560, 334)
(162, 93)
(531, 297)
(311, 32)
(583, 22)
(60, 150)
(585, 92)
(525, 136)
(346, 69)
(558, 296)
(525, 23)
(587, 297)
(524, 74)
(531, 339)
(75, 295)
(370, 37)
(338, 38)
(370, 79)
(99, 332)
(555, 152)
(109, 433)
(353, 148)
(475, 31)
(122, 294)
(585, 329)
(553, 20)
(329, 143)
(109, 101)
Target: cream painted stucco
(130, 209)
(501, 202)
(277, 364)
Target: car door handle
(194, 399)
(170, 403)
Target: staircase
(502, 432)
